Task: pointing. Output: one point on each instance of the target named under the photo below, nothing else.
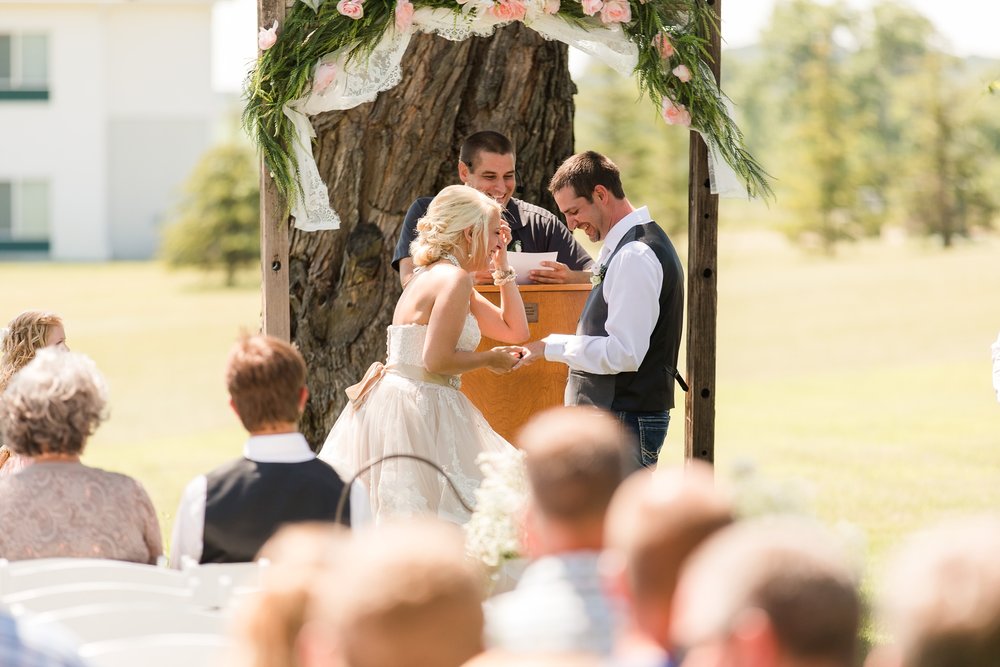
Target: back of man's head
(407, 595)
(778, 590)
(656, 520)
(941, 604)
(575, 457)
(265, 377)
(486, 141)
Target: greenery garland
(669, 36)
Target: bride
(412, 404)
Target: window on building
(24, 215)
(24, 67)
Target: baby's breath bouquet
(493, 534)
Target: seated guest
(656, 520)
(58, 507)
(19, 341)
(403, 594)
(25, 644)
(770, 593)
(941, 604)
(575, 458)
(227, 515)
(267, 627)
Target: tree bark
(376, 159)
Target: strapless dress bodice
(405, 344)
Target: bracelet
(504, 276)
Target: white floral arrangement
(493, 534)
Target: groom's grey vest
(651, 387)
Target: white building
(105, 106)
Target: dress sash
(359, 391)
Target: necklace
(451, 259)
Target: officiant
(487, 163)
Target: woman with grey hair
(47, 413)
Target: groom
(623, 357)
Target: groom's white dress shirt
(632, 282)
(189, 526)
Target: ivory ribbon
(359, 391)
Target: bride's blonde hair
(441, 230)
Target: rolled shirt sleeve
(632, 286)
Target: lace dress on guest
(69, 510)
(409, 410)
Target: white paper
(523, 262)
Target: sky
(969, 26)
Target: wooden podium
(507, 401)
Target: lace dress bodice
(405, 344)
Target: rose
(662, 44)
(267, 37)
(351, 8)
(508, 10)
(551, 7)
(682, 73)
(404, 15)
(616, 11)
(324, 76)
(591, 7)
(675, 114)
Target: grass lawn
(862, 381)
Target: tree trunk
(379, 157)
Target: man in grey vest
(623, 357)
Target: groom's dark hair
(585, 171)
(486, 141)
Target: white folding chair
(47, 572)
(166, 650)
(53, 598)
(103, 622)
(215, 583)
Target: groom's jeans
(650, 429)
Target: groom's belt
(358, 392)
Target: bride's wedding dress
(403, 408)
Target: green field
(861, 382)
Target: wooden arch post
(276, 312)
(702, 293)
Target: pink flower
(591, 7)
(616, 11)
(682, 73)
(324, 76)
(267, 37)
(508, 10)
(662, 44)
(675, 114)
(351, 8)
(404, 15)
(551, 6)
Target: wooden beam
(275, 309)
(702, 293)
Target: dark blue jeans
(649, 429)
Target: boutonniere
(598, 276)
(514, 246)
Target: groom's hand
(533, 351)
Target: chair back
(103, 622)
(165, 650)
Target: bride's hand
(499, 256)
(505, 358)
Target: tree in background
(217, 222)
(614, 120)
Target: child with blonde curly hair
(19, 341)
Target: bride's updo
(441, 230)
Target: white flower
(492, 535)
